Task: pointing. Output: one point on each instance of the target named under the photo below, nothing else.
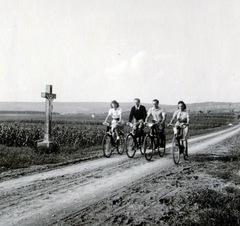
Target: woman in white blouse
(116, 114)
(182, 117)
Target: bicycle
(110, 142)
(150, 142)
(133, 140)
(178, 146)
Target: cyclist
(159, 116)
(182, 117)
(116, 114)
(139, 113)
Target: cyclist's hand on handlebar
(129, 124)
(105, 123)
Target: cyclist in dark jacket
(138, 113)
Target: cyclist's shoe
(157, 147)
(109, 133)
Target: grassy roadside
(209, 188)
(202, 191)
(25, 157)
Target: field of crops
(81, 131)
(78, 137)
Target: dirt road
(58, 196)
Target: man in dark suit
(138, 113)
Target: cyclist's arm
(148, 115)
(144, 113)
(164, 117)
(107, 115)
(106, 118)
(174, 116)
(130, 115)
(188, 118)
(120, 117)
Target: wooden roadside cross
(49, 96)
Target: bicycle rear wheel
(148, 147)
(130, 146)
(161, 149)
(175, 150)
(120, 145)
(107, 145)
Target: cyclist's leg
(141, 132)
(117, 131)
(115, 128)
(157, 132)
(161, 134)
(185, 132)
(138, 131)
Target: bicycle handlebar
(106, 124)
(151, 124)
(133, 124)
(183, 124)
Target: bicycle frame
(133, 141)
(178, 146)
(111, 142)
(150, 140)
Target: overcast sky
(100, 50)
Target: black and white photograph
(120, 112)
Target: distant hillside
(100, 107)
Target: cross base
(45, 143)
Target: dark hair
(114, 102)
(156, 101)
(184, 105)
(137, 99)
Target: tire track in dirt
(71, 189)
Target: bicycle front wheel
(175, 150)
(107, 146)
(120, 146)
(148, 147)
(130, 146)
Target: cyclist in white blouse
(182, 117)
(116, 113)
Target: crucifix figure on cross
(49, 96)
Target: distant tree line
(26, 112)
